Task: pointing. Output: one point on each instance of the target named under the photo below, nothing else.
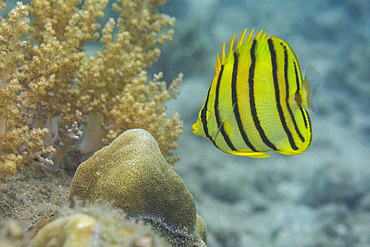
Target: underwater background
(318, 198)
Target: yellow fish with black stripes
(256, 102)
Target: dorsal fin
(240, 43)
(218, 63)
(241, 39)
(312, 81)
(249, 38)
(223, 55)
(231, 46)
(258, 35)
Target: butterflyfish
(258, 98)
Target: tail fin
(312, 81)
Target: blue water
(318, 198)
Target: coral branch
(94, 134)
(49, 88)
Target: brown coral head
(133, 175)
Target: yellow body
(256, 100)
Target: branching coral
(19, 143)
(50, 91)
(117, 95)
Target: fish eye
(298, 98)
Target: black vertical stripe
(298, 88)
(217, 113)
(277, 95)
(236, 105)
(287, 93)
(297, 77)
(304, 117)
(305, 113)
(256, 120)
(309, 123)
(203, 117)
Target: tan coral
(96, 226)
(12, 234)
(115, 88)
(48, 87)
(142, 106)
(201, 229)
(7, 168)
(74, 231)
(132, 174)
(18, 143)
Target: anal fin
(251, 154)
